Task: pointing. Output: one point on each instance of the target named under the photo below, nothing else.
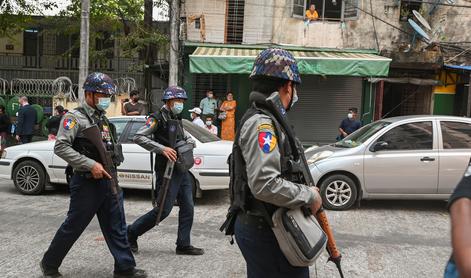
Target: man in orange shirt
(311, 14)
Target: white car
(32, 166)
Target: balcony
(45, 62)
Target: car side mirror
(378, 146)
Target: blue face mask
(177, 108)
(103, 103)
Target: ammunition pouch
(185, 159)
(118, 156)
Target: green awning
(240, 60)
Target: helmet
(276, 62)
(98, 82)
(174, 92)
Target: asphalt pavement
(379, 239)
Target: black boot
(134, 273)
(132, 242)
(189, 250)
(49, 272)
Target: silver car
(410, 157)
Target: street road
(380, 239)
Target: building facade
(38, 55)
(352, 34)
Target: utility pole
(149, 57)
(84, 45)
(174, 42)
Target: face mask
(295, 98)
(350, 115)
(103, 103)
(177, 108)
(209, 123)
(210, 96)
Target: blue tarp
(459, 67)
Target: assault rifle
(93, 134)
(300, 166)
(163, 190)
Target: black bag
(185, 160)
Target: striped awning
(240, 60)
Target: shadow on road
(405, 205)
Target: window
(407, 8)
(201, 134)
(298, 8)
(413, 136)
(330, 10)
(120, 125)
(198, 23)
(456, 135)
(235, 21)
(360, 136)
(132, 131)
(204, 82)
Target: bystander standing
(209, 125)
(4, 127)
(25, 122)
(133, 107)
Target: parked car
(410, 157)
(31, 166)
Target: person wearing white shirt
(196, 117)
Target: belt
(253, 220)
(85, 174)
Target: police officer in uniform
(261, 176)
(180, 188)
(90, 188)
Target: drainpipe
(468, 110)
(379, 100)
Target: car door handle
(426, 158)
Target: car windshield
(360, 136)
(203, 135)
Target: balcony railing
(65, 63)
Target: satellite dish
(419, 30)
(422, 20)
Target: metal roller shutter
(323, 104)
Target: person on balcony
(311, 14)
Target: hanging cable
(374, 25)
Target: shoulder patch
(266, 127)
(267, 141)
(69, 123)
(151, 122)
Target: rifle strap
(154, 200)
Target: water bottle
(13, 128)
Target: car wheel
(197, 193)
(339, 192)
(29, 177)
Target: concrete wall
(16, 41)
(258, 21)
(271, 21)
(214, 12)
(448, 24)
(292, 30)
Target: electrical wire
(437, 4)
(374, 25)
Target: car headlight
(319, 156)
(4, 154)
